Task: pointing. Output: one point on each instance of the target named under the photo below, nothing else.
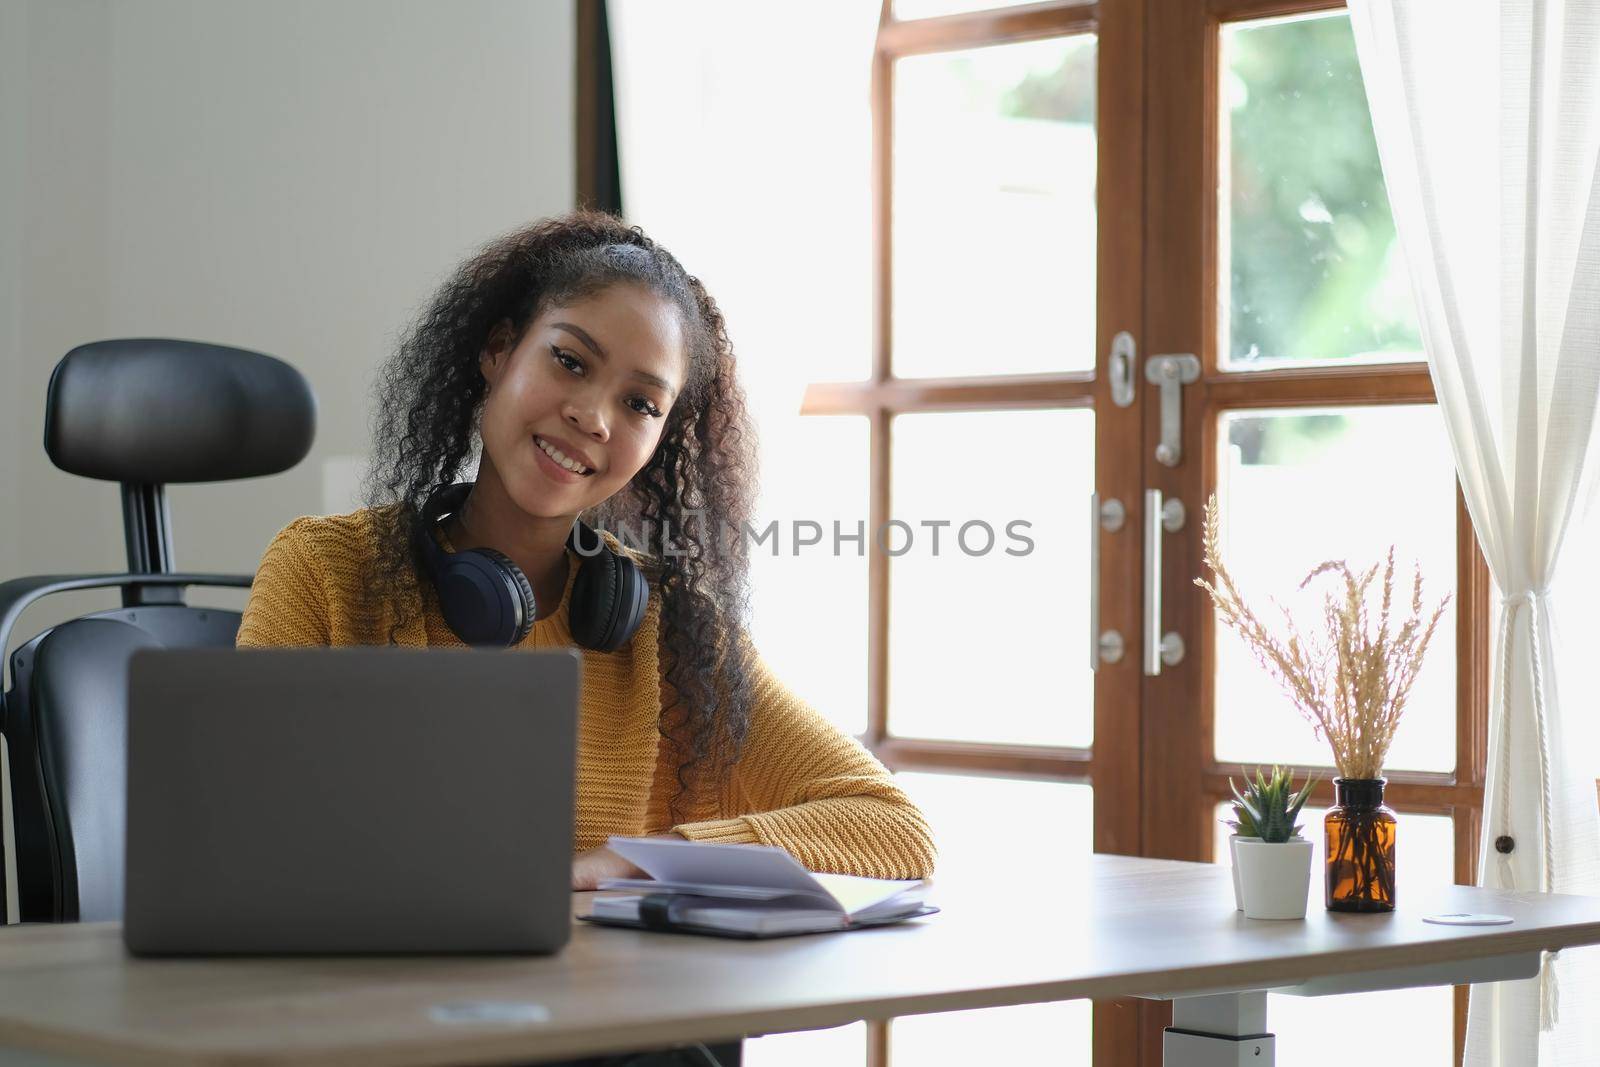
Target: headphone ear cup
(608, 601)
(527, 607)
(594, 600)
(485, 598)
(633, 596)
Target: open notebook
(744, 891)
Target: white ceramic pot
(1233, 858)
(1274, 878)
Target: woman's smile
(565, 463)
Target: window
(1028, 161)
(1046, 182)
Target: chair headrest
(150, 410)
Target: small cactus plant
(1268, 806)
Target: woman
(590, 375)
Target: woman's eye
(566, 359)
(644, 407)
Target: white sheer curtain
(745, 139)
(1487, 116)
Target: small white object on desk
(1467, 918)
(1274, 877)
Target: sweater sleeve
(288, 600)
(818, 794)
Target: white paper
(709, 866)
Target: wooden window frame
(597, 181)
(1173, 805)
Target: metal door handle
(1159, 517)
(1105, 647)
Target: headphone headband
(487, 600)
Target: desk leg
(1220, 1031)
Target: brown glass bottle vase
(1360, 835)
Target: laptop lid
(350, 800)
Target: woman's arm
(810, 789)
(288, 600)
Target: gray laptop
(350, 800)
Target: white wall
(13, 79)
(292, 177)
(57, 90)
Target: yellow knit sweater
(801, 784)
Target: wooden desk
(1132, 928)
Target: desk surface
(1132, 927)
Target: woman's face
(577, 406)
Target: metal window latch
(1124, 353)
(1171, 373)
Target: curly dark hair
(430, 395)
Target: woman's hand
(593, 865)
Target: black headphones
(486, 599)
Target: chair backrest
(71, 702)
(141, 412)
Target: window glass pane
(845, 1046)
(826, 665)
(927, 9)
(714, 133)
(1310, 269)
(1301, 487)
(995, 1035)
(972, 845)
(991, 645)
(994, 210)
(1424, 855)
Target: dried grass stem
(1350, 677)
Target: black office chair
(144, 413)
